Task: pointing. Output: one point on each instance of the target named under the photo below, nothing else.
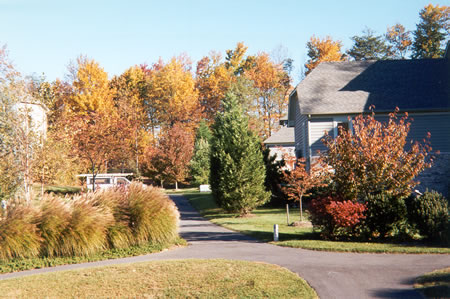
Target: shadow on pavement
(216, 236)
(393, 293)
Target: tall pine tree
(431, 32)
(369, 47)
(237, 166)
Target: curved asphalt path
(331, 274)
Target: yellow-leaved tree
(172, 90)
(322, 49)
(91, 90)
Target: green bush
(385, 214)
(19, 236)
(429, 213)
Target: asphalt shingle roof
(283, 136)
(353, 86)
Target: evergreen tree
(431, 32)
(200, 162)
(274, 177)
(237, 166)
(369, 46)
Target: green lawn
(164, 279)
(58, 190)
(435, 284)
(193, 190)
(261, 224)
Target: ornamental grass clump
(88, 224)
(52, 222)
(19, 236)
(87, 229)
(153, 217)
(119, 232)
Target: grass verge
(15, 265)
(173, 279)
(192, 190)
(261, 224)
(435, 284)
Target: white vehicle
(106, 180)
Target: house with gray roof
(335, 92)
(281, 143)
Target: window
(342, 126)
(100, 181)
(341, 121)
(121, 181)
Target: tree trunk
(301, 208)
(93, 176)
(176, 185)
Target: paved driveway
(332, 275)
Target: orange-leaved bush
(376, 157)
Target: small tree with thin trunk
(96, 137)
(300, 181)
(169, 160)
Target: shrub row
(381, 215)
(84, 225)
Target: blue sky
(44, 36)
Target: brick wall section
(437, 177)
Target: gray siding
(293, 109)
(301, 134)
(317, 127)
(438, 124)
(439, 127)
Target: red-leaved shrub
(336, 217)
(346, 213)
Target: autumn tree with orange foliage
(299, 181)
(272, 84)
(131, 100)
(213, 79)
(96, 137)
(320, 50)
(169, 160)
(375, 157)
(91, 121)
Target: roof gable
(285, 135)
(353, 86)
